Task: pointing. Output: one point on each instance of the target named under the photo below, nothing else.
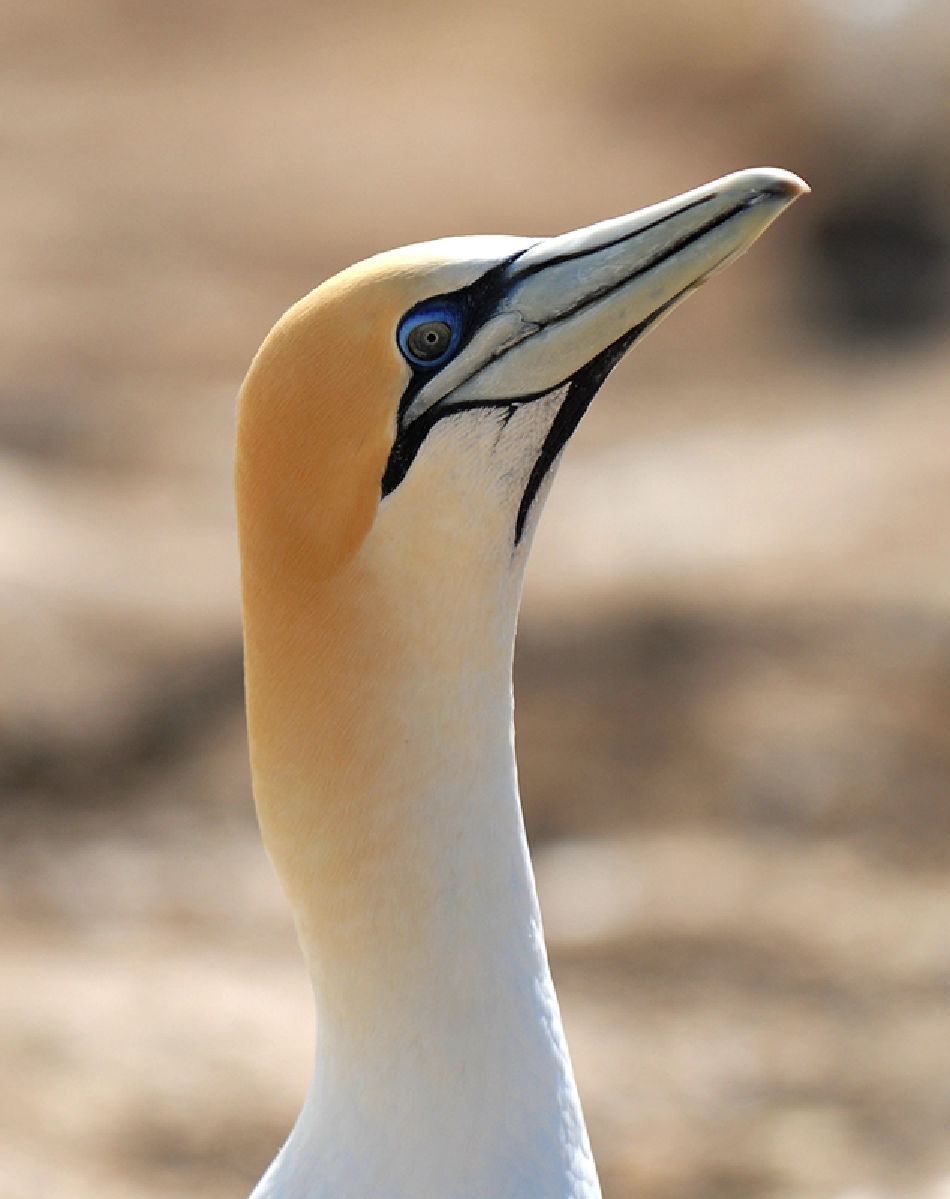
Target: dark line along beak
(570, 297)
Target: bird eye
(429, 340)
(427, 337)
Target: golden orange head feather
(316, 422)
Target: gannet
(397, 434)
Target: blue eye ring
(429, 336)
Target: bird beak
(568, 299)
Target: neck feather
(384, 771)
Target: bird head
(424, 396)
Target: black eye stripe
(472, 305)
(477, 302)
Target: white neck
(441, 1067)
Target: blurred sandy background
(734, 669)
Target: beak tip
(783, 184)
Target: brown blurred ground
(734, 670)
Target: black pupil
(429, 340)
